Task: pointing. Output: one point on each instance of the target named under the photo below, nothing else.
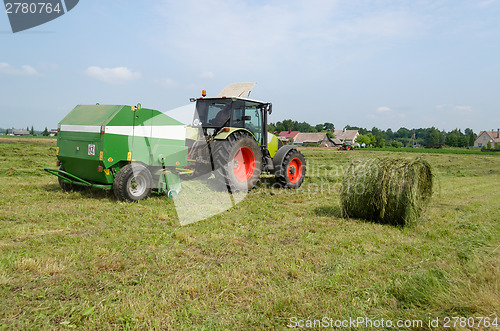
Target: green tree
(396, 144)
(472, 139)
(328, 127)
(288, 124)
(379, 141)
(363, 139)
(32, 131)
(402, 133)
(451, 140)
(319, 127)
(6, 131)
(488, 145)
(433, 137)
(279, 127)
(389, 133)
(45, 132)
(372, 138)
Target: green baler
(125, 148)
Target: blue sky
(367, 63)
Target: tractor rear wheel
(133, 183)
(237, 162)
(293, 170)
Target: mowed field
(84, 260)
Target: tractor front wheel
(293, 170)
(238, 162)
(133, 183)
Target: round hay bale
(390, 191)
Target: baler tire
(237, 162)
(66, 187)
(293, 170)
(127, 177)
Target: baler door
(141, 149)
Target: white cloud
(486, 3)
(25, 70)
(281, 33)
(383, 109)
(454, 109)
(168, 83)
(207, 75)
(118, 75)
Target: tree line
(31, 131)
(429, 137)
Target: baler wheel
(66, 187)
(133, 183)
(237, 162)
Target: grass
(83, 260)
(446, 150)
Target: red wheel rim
(294, 170)
(244, 164)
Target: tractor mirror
(192, 99)
(270, 108)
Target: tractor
(233, 144)
(134, 151)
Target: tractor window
(238, 113)
(214, 113)
(253, 120)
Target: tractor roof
(239, 91)
(233, 98)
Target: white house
(487, 136)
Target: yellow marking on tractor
(101, 156)
(184, 171)
(129, 156)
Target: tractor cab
(214, 115)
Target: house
(347, 136)
(487, 136)
(20, 132)
(337, 142)
(53, 133)
(286, 136)
(319, 138)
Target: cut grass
(389, 191)
(83, 260)
(448, 150)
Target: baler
(129, 149)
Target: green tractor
(232, 143)
(134, 151)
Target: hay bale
(391, 191)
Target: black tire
(66, 187)
(133, 183)
(292, 171)
(237, 162)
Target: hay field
(85, 261)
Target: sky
(367, 63)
